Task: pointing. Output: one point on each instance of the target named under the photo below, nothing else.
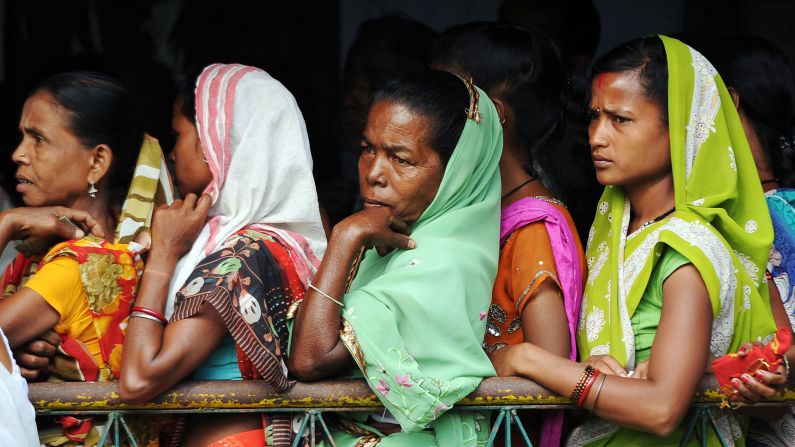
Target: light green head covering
(414, 320)
(721, 223)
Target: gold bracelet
(598, 390)
(333, 300)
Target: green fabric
(414, 320)
(626, 437)
(720, 225)
(221, 364)
(647, 316)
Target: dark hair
(761, 74)
(101, 111)
(437, 95)
(573, 25)
(645, 55)
(406, 39)
(521, 66)
(186, 95)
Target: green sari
(720, 225)
(414, 320)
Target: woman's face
(191, 171)
(397, 168)
(628, 136)
(54, 167)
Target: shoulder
(669, 262)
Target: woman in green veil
(413, 319)
(676, 253)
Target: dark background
(153, 44)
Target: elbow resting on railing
(308, 368)
(134, 389)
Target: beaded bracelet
(586, 375)
(588, 386)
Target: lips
(600, 161)
(371, 203)
(22, 183)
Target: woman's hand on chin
(375, 227)
(49, 221)
(175, 227)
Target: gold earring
(92, 190)
(502, 120)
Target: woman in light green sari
(676, 252)
(413, 319)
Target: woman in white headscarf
(245, 166)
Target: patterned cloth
(720, 224)
(781, 265)
(151, 186)
(110, 274)
(251, 282)
(255, 143)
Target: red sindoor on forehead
(600, 80)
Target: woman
(541, 272)
(17, 417)
(242, 146)
(675, 257)
(413, 318)
(760, 81)
(81, 139)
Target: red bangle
(151, 312)
(587, 389)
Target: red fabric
(767, 358)
(85, 361)
(16, 273)
(245, 439)
(75, 429)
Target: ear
(735, 97)
(100, 161)
(502, 109)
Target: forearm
(650, 405)
(6, 231)
(144, 337)
(316, 349)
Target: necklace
(551, 200)
(769, 180)
(517, 188)
(655, 220)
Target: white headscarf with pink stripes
(255, 141)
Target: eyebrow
(389, 148)
(612, 112)
(34, 131)
(397, 149)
